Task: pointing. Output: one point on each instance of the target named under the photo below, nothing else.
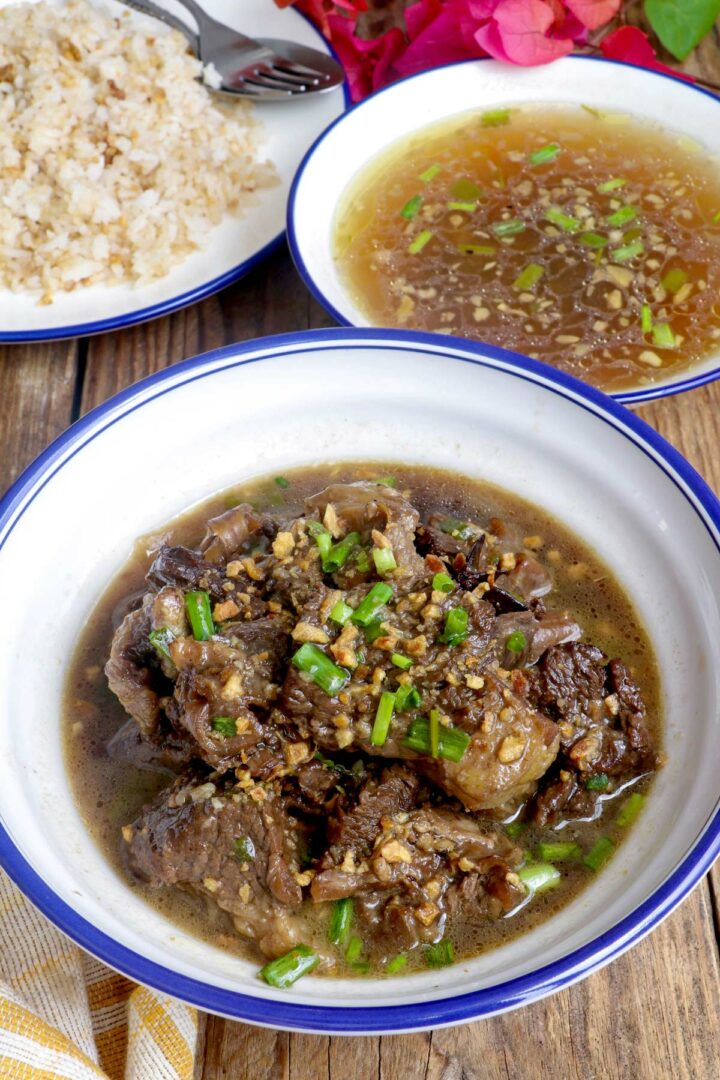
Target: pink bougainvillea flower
(367, 63)
(517, 31)
(633, 46)
(438, 33)
(594, 13)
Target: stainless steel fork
(267, 70)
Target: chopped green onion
(361, 966)
(516, 642)
(599, 854)
(508, 228)
(593, 240)
(598, 782)
(340, 920)
(632, 234)
(244, 849)
(384, 560)
(674, 280)
(452, 742)
(593, 112)
(160, 640)
(337, 554)
(646, 318)
(374, 630)
(287, 969)
(419, 242)
(611, 185)
(539, 876)
(282, 482)
(429, 174)
(467, 207)
(386, 481)
(454, 527)
(629, 251)
(545, 153)
(528, 277)
(225, 725)
(322, 538)
(476, 249)
(411, 207)
(362, 561)
(716, 217)
(495, 118)
(456, 623)
(622, 216)
(514, 829)
(442, 583)
(323, 672)
(564, 221)
(396, 963)
(370, 606)
(407, 697)
(316, 528)
(341, 613)
(383, 719)
(197, 605)
(434, 731)
(663, 336)
(630, 809)
(558, 852)
(353, 950)
(403, 662)
(439, 955)
(465, 190)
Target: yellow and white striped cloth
(65, 1016)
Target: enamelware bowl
(245, 410)
(342, 151)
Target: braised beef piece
(540, 630)
(132, 671)
(187, 569)
(354, 829)
(165, 749)
(240, 853)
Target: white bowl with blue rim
(266, 406)
(375, 125)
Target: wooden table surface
(654, 1014)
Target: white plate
(233, 247)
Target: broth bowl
(411, 105)
(330, 395)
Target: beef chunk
(187, 569)
(230, 532)
(541, 632)
(132, 671)
(164, 750)
(568, 681)
(240, 854)
(355, 829)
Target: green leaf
(681, 24)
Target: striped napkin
(64, 1015)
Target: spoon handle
(147, 7)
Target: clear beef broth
(111, 793)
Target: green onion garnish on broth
(514, 829)
(674, 280)
(563, 221)
(197, 605)
(454, 527)
(400, 661)
(384, 559)
(282, 482)
(341, 613)
(362, 561)
(466, 190)
(549, 851)
(340, 921)
(396, 963)
(287, 969)
(419, 242)
(244, 849)
(646, 319)
(407, 697)
(516, 642)
(439, 955)
(508, 228)
(354, 949)
(663, 336)
(476, 249)
(324, 673)
(611, 185)
(412, 207)
(430, 173)
(466, 207)
(338, 554)
(629, 251)
(716, 217)
(386, 481)
(598, 782)
(442, 583)
(545, 153)
(495, 117)
(599, 853)
(456, 627)
(434, 733)
(383, 719)
(622, 216)
(593, 112)
(593, 240)
(538, 877)
(528, 277)
(372, 604)
(452, 742)
(374, 630)
(224, 725)
(160, 640)
(630, 809)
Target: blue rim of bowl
(385, 1018)
(630, 397)
(173, 303)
